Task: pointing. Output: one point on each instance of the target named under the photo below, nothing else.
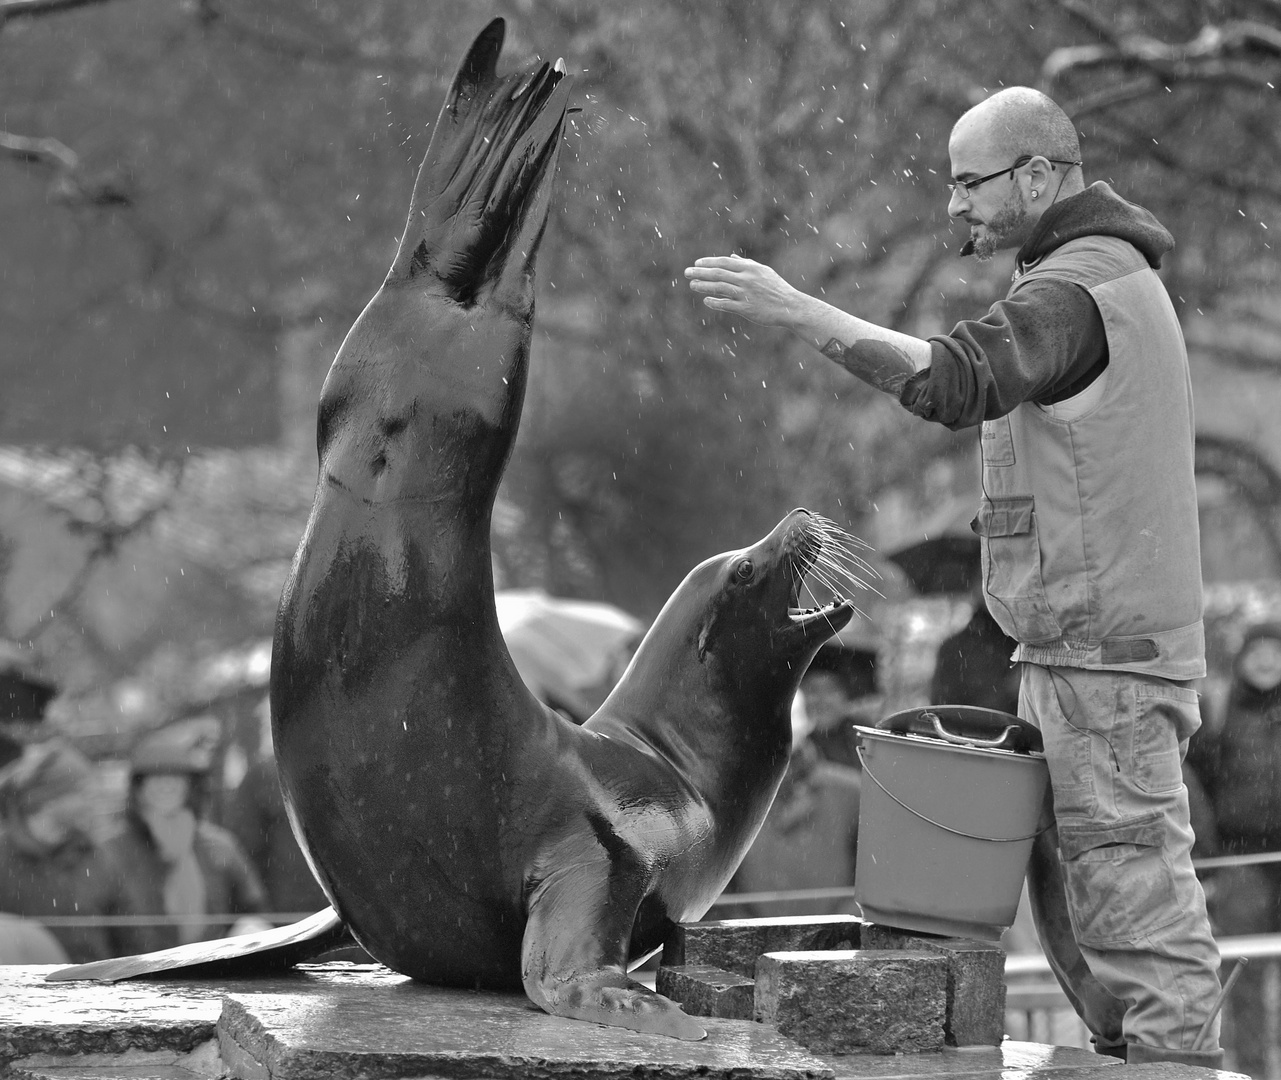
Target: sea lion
(466, 834)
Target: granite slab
(407, 1029)
(340, 1021)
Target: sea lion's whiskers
(838, 559)
(833, 574)
(851, 567)
(837, 538)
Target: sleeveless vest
(1089, 528)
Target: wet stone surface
(343, 1021)
(975, 982)
(709, 991)
(37, 1017)
(867, 1001)
(198, 1064)
(1009, 1061)
(734, 944)
(414, 1030)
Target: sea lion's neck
(721, 750)
(423, 401)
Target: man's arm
(883, 358)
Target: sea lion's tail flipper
(480, 202)
(248, 954)
(573, 957)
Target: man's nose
(957, 203)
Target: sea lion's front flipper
(573, 959)
(247, 954)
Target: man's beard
(1008, 227)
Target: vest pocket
(996, 442)
(1012, 569)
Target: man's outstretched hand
(883, 358)
(743, 287)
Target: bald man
(1089, 531)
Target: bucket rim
(939, 744)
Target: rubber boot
(1142, 1054)
(1101, 1011)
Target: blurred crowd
(88, 872)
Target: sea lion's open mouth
(834, 614)
(823, 556)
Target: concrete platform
(345, 1021)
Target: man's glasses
(964, 187)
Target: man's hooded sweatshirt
(1079, 377)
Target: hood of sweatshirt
(1096, 211)
(1244, 693)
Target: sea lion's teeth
(802, 614)
(560, 65)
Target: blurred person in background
(174, 862)
(24, 696)
(49, 862)
(256, 816)
(838, 691)
(975, 665)
(1239, 766)
(809, 839)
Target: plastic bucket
(946, 822)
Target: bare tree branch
(912, 289)
(1219, 179)
(313, 49)
(1240, 50)
(48, 150)
(70, 183)
(1082, 14)
(12, 9)
(1135, 89)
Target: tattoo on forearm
(877, 363)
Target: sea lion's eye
(744, 570)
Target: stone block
(200, 1064)
(975, 981)
(709, 991)
(864, 1001)
(396, 1028)
(734, 944)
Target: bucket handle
(938, 824)
(963, 740)
(972, 726)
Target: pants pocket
(1119, 887)
(1165, 716)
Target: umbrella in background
(945, 564)
(566, 650)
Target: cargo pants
(1118, 908)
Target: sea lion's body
(466, 834)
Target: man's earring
(1035, 194)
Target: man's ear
(1041, 179)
